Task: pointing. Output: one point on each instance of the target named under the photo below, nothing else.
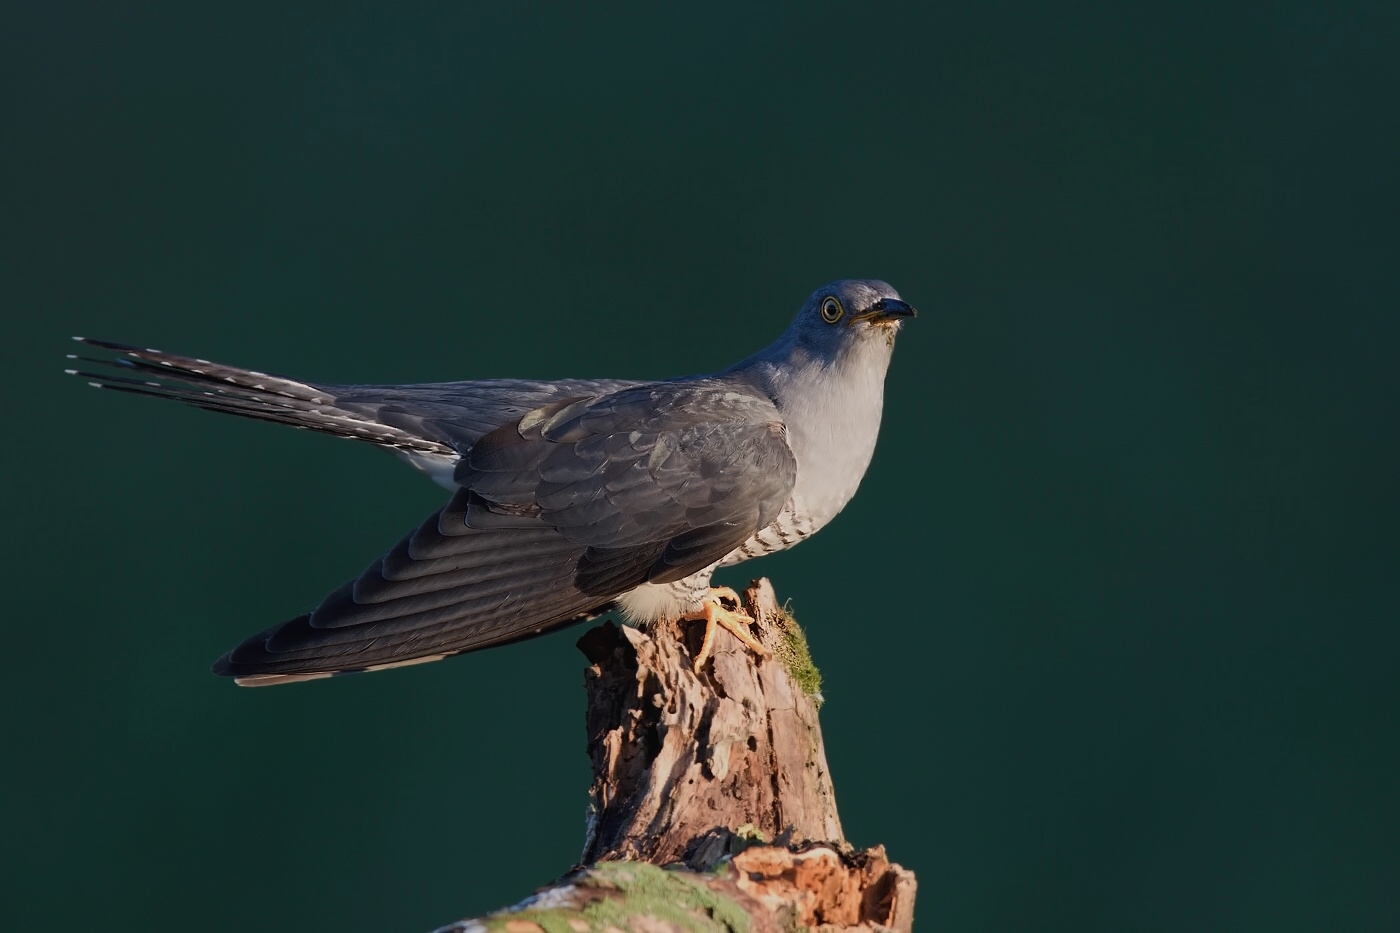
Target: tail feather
(469, 577)
(243, 392)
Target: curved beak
(886, 310)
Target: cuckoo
(569, 498)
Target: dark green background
(1136, 667)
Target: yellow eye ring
(831, 309)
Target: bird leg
(735, 621)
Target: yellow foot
(736, 621)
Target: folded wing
(558, 513)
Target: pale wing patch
(272, 680)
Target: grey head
(849, 323)
(842, 317)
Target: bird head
(849, 315)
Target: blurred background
(1136, 668)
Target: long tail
(242, 392)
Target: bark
(721, 777)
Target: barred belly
(791, 526)
(668, 600)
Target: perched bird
(569, 498)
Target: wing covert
(656, 481)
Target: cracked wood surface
(720, 777)
(682, 758)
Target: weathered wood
(721, 776)
(682, 760)
(764, 889)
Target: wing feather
(559, 512)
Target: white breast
(833, 419)
(831, 412)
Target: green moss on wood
(794, 654)
(551, 921)
(611, 895)
(667, 895)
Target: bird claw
(735, 621)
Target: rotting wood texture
(721, 776)
(680, 759)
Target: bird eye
(831, 310)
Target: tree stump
(721, 777)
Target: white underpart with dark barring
(652, 601)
